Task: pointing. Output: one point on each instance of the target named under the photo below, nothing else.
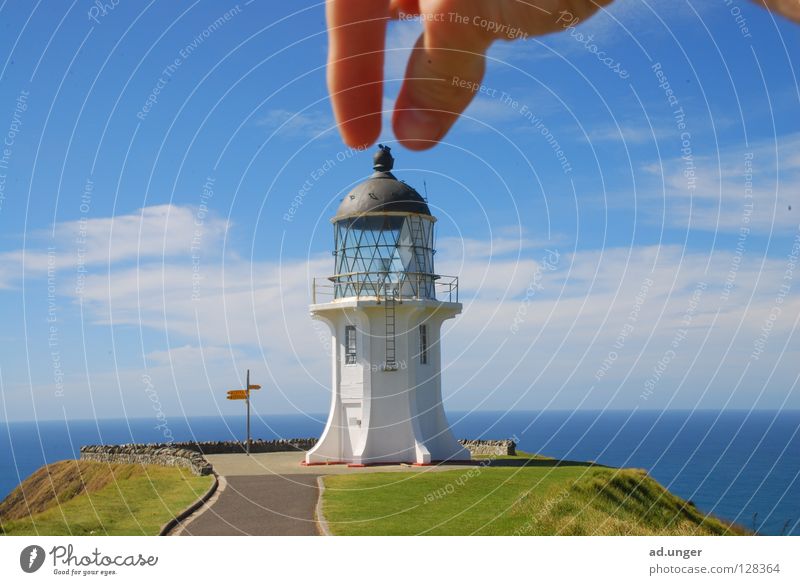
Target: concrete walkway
(271, 505)
(270, 494)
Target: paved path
(270, 494)
(272, 505)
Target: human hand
(456, 35)
(788, 8)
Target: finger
(356, 38)
(443, 71)
(788, 8)
(400, 8)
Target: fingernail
(418, 125)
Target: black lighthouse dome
(382, 192)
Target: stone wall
(476, 447)
(190, 455)
(256, 446)
(485, 447)
(169, 455)
(186, 454)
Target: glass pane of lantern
(405, 246)
(375, 253)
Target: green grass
(87, 498)
(522, 495)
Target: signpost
(245, 395)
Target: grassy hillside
(513, 496)
(84, 497)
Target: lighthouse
(385, 306)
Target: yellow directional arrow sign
(245, 395)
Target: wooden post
(248, 411)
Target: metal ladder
(389, 302)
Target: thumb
(444, 72)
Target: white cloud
(711, 192)
(192, 356)
(155, 231)
(523, 323)
(306, 124)
(571, 321)
(158, 231)
(455, 248)
(13, 265)
(625, 133)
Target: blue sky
(615, 249)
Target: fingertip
(360, 135)
(418, 129)
(357, 111)
(429, 102)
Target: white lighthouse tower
(385, 306)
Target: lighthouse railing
(377, 285)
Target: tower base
(382, 414)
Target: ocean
(741, 466)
